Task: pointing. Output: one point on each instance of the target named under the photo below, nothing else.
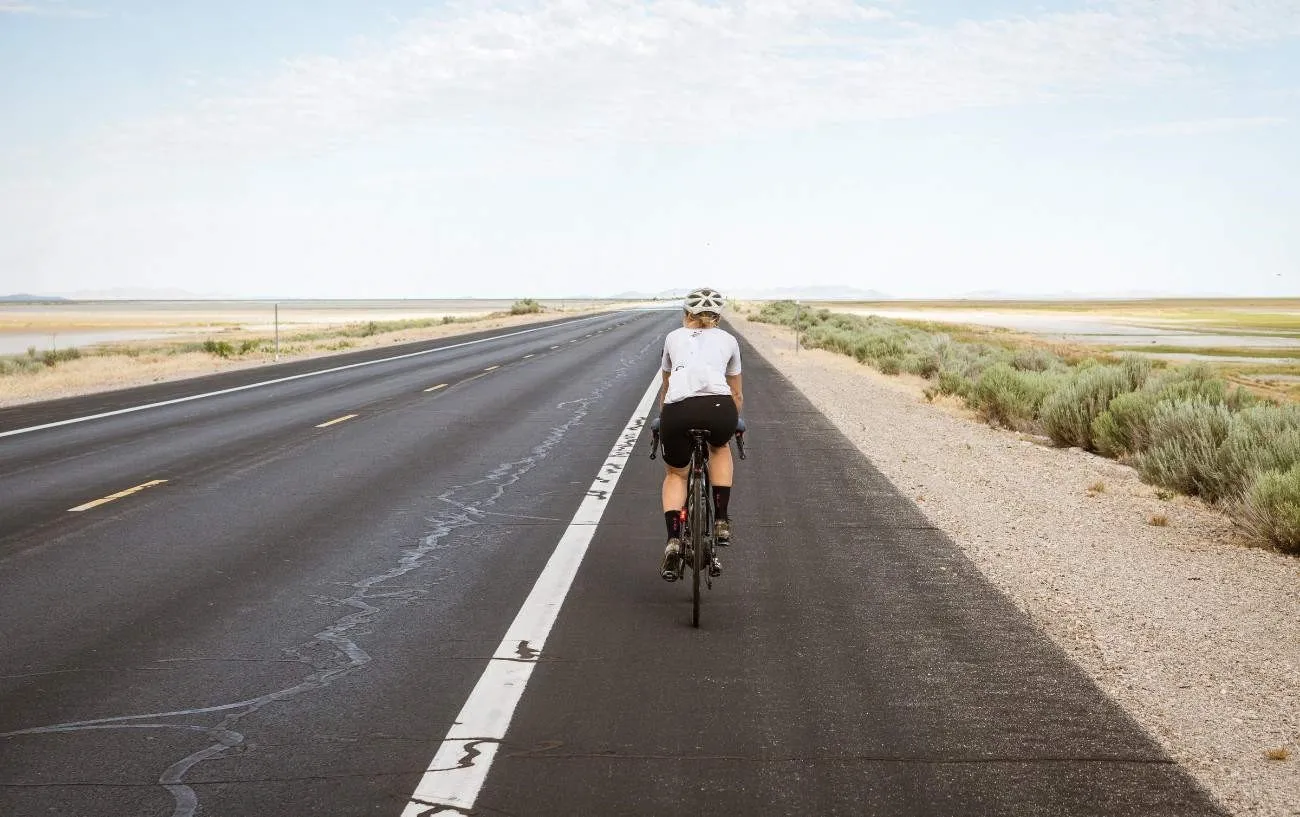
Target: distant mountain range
(808, 293)
(23, 297)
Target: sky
(552, 148)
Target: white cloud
(686, 69)
(45, 8)
(1200, 127)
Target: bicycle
(698, 546)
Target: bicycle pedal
(715, 568)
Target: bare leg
(720, 468)
(674, 492)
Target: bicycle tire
(695, 517)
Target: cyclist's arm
(733, 380)
(663, 391)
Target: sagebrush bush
(1270, 507)
(52, 357)
(525, 306)
(220, 348)
(1011, 397)
(1068, 414)
(1260, 438)
(1123, 429)
(1184, 447)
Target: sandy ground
(1192, 630)
(91, 374)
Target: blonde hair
(704, 320)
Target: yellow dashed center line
(117, 495)
(435, 388)
(336, 420)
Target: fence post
(796, 327)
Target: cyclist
(701, 389)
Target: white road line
(461, 765)
(337, 420)
(435, 388)
(278, 380)
(491, 368)
(113, 497)
(525, 357)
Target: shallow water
(1073, 328)
(17, 343)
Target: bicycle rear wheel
(695, 515)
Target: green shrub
(924, 364)
(1010, 397)
(19, 365)
(52, 357)
(951, 382)
(220, 348)
(1270, 507)
(1260, 438)
(1033, 359)
(1124, 428)
(249, 346)
(1068, 414)
(527, 306)
(890, 365)
(1185, 440)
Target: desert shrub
(1199, 380)
(249, 346)
(1270, 507)
(1123, 429)
(19, 365)
(1260, 438)
(526, 306)
(890, 365)
(220, 348)
(925, 364)
(1069, 412)
(51, 357)
(1034, 359)
(1185, 440)
(1010, 397)
(954, 383)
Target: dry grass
(1280, 753)
(1158, 521)
(1097, 488)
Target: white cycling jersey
(698, 362)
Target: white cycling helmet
(702, 300)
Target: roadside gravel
(1195, 632)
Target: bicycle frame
(698, 515)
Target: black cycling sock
(721, 494)
(674, 521)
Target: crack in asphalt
(472, 754)
(332, 652)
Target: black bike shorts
(715, 413)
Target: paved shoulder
(852, 661)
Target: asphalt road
(302, 611)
